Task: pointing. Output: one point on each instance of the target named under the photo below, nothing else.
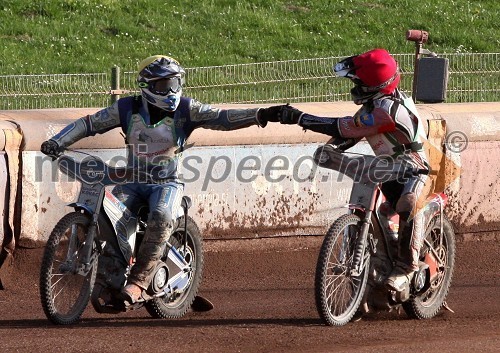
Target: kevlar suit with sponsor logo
(155, 139)
(392, 127)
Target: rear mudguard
(434, 205)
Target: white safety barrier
(261, 181)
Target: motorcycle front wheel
(177, 305)
(338, 293)
(442, 246)
(64, 292)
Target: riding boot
(150, 252)
(403, 270)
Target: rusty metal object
(417, 35)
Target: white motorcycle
(69, 265)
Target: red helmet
(375, 74)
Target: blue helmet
(160, 80)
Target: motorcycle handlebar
(418, 171)
(95, 169)
(422, 171)
(409, 170)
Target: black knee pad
(160, 219)
(406, 205)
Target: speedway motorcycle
(69, 264)
(357, 253)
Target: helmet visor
(345, 68)
(163, 86)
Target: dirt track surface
(264, 302)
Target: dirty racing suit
(153, 145)
(392, 127)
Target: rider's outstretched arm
(208, 117)
(97, 123)
(357, 126)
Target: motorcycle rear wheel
(427, 305)
(177, 305)
(64, 294)
(338, 294)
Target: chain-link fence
(472, 78)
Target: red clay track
(264, 302)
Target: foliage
(83, 36)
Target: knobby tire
(64, 295)
(328, 273)
(169, 308)
(428, 304)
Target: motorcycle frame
(365, 200)
(95, 177)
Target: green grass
(83, 36)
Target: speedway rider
(390, 123)
(156, 125)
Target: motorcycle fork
(360, 252)
(363, 197)
(88, 256)
(89, 240)
(70, 263)
(80, 261)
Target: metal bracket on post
(419, 37)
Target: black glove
(51, 148)
(264, 115)
(290, 115)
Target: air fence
(472, 78)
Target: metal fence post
(115, 84)
(419, 37)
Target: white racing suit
(391, 126)
(154, 148)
